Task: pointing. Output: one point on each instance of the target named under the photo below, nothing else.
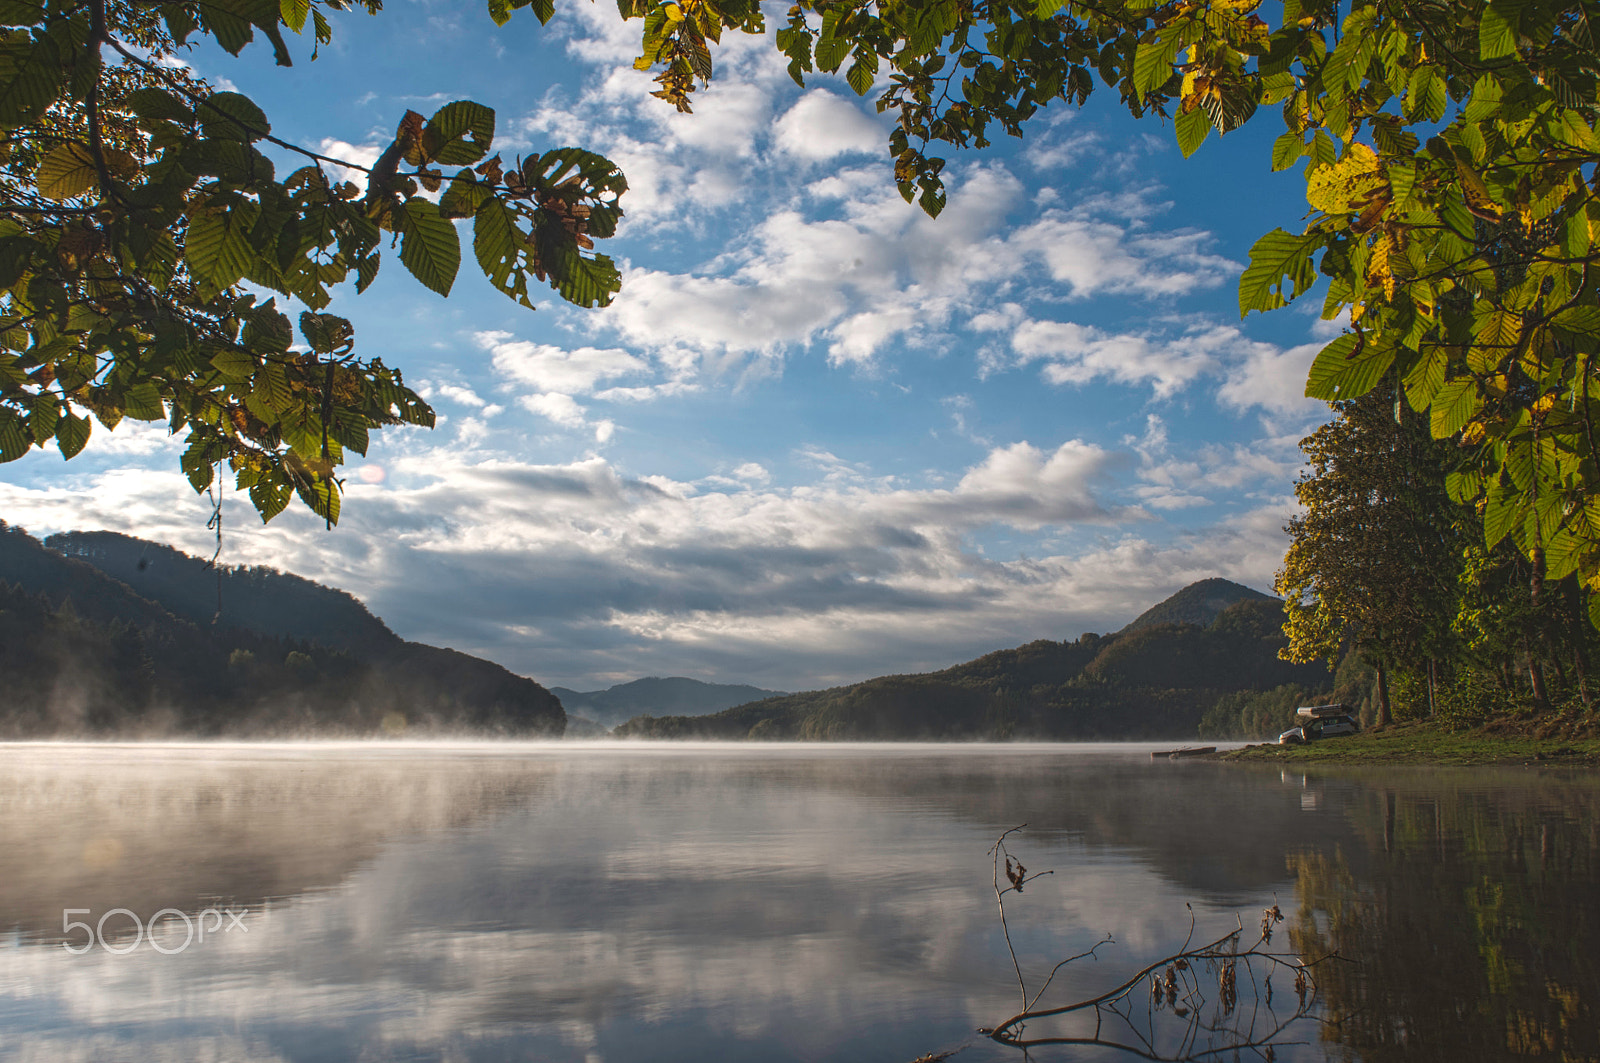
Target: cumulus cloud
(1272, 379)
(562, 409)
(549, 368)
(822, 125)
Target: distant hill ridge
(1153, 679)
(671, 696)
(261, 599)
(1198, 603)
(85, 653)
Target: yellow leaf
(1332, 189)
(1378, 271)
(66, 171)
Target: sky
(818, 436)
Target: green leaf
(463, 196)
(1499, 330)
(1324, 152)
(72, 434)
(1580, 322)
(327, 333)
(269, 497)
(294, 13)
(588, 282)
(1286, 150)
(235, 365)
(1426, 378)
(14, 440)
(1501, 509)
(1192, 129)
(1464, 485)
(158, 105)
(459, 133)
(1454, 406)
(66, 172)
(862, 72)
(216, 249)
(1562, 553)
(430, 248)
(1497, 31)
(231, 116)
(1276, 255)
(31, 75)
(1153, 59)
(1341, 371)
(495, 239)
(322, 495)
(142, 402)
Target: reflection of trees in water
(1474, 920)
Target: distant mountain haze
(84, 652)
(673, 696)
(105, 634)
(1153, 679)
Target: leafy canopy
(146, 236)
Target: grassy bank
(1552, 739)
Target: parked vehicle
(1321, 721)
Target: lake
(608, 902)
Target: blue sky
(819, 436)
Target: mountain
(84, 653)
(673, 696)
(1155, 681)
(257, 598)
(1198, 603)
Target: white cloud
(822, 126)
(1093, 256)
(361, 155)
(1078, 354)
(550, 368)
(1272, 379)
(562, 409)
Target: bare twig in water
(1173, 1023)
(1018, 876)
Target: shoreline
(1544, 741)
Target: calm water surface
(571, 902)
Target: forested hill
(1155, 681)
(672, 696)
(258, 598)
(1198, 603)
(83, 653)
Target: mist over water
(608, 902)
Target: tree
(1372, 561)
(139, 217)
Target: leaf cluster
(146, 239)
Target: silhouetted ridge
(1154, 681)
(83, 653)
(672, 696)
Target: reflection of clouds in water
(789, 905)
